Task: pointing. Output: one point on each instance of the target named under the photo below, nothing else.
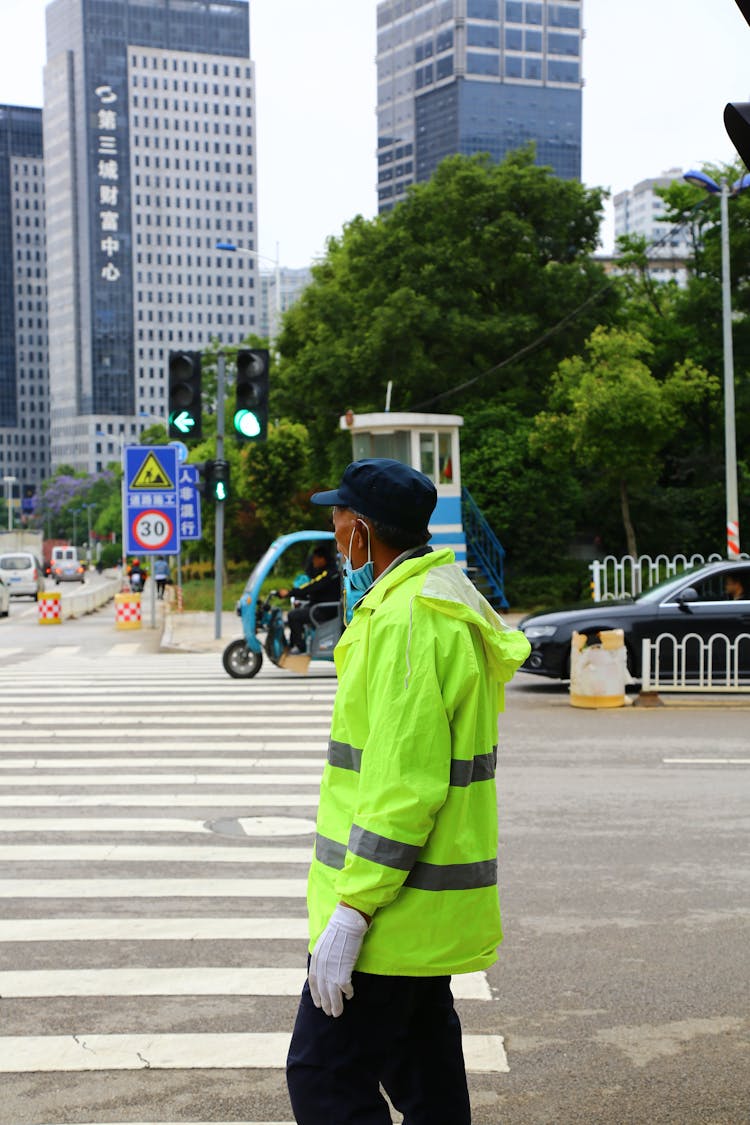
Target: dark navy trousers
(402, 1032)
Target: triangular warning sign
(151, 475)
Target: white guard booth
(428, 442)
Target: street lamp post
(700, 179)
(9, 481)
(230, 246)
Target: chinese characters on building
(108, 176)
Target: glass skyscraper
(467, 76)
(150, 160)
(24, 354)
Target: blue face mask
(357, 581)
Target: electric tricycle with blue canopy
(242, 659)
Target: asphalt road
(622, 988)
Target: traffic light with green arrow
(251, 401)
(185, 417)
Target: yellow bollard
(127, 611)
(49, 608)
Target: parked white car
(22, 574)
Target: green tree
(613, 417)
(475, 265)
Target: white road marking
(45, 983)
(137, 707)
(313, 762)
(237, 779)
(153, 888)
(143, 853)
(706, 761)
(245, 801)
(136, 743)
(482, 1053)
(153, 929)
(154, 729)
(40, 825)
(9, 652)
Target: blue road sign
(189, 502)
(150, 512)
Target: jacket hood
(445, 586)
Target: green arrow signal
(184, 422)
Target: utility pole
(219, 503)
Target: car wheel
(240, 662)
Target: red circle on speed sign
(152, 529)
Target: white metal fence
(619, 578)
(723, 665)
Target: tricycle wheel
(241, 662)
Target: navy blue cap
(387, 491)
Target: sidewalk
(194, 632)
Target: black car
(705, 600)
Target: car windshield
(664, 589)
(15, 562)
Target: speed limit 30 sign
(151, 505)
(153, 530)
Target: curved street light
(707, 183)
(232, 248)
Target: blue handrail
(484, 547)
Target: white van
(22, 574)
(66, 565)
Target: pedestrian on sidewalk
(161, 575)
(402, 890)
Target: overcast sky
(658, 73)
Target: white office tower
(150, 161)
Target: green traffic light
(220, 490)
(246, 423)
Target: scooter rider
(324, 586)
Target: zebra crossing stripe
(144, 853)
(138, 745)
(40, 825)
(46, 983)
(483, 1054)
(87, 762)
(152, 729)
(243, 801)
(154, 929)
(125, 708)
(153, 888)
(236, 779)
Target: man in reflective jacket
(402, 891)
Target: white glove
(333, 959)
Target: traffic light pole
(219, 505)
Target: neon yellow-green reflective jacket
(407, 823)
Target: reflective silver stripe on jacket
(329, 852)
(423, 876)
(344, 756)
(479, 768)
(463, 771)
(452, 876)
(379, 849)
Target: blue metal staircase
(485, 557)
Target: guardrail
(86, 601)
(628, 576)
(719, 649)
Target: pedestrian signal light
(251, 401)
(220, 480)
(185, 416)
